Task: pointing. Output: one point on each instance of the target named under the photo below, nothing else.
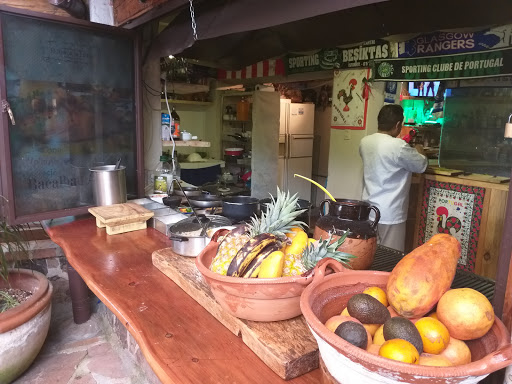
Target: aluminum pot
(240, 208)
(186, 234)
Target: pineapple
(279, 219)
(296, 264)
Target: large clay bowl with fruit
(253, 299)
(349, 364)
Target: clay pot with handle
(337, 217)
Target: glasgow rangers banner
(446, 43)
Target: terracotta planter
(253, 299)
(23, 329)
(351, 365)
(343, 215)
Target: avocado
(367, 309)
(353, 332)
(402, 328)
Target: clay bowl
(351, 365)
(253, 299)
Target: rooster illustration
(347, 98)
(451, 222)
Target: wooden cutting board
(287, 347)
(121, 218)
(486, 178)
(444, 171)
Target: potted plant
(23, 325)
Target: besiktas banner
(492, 63)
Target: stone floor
(85, 353)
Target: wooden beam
(41, 6)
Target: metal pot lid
(191, 224)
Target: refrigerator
(296, 134)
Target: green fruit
(354, 333)
(367, 309)
(402, 328)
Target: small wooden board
(121, 218)
(486, 178)
(444, 171)
(287, 347)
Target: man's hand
(420, 149)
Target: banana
(253, 268)
(248, 252)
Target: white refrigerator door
(302, 166)
(284, 114)
(301, 119)
(300, 145)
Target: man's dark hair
(389, 115)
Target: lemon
(272, 266)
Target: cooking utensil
(172, 201)
(109, 184)
(234, 151)
(205, 201)
(117, 164)
(191, 245)
(239, 137)
(240, 208)
(193, 211)
(187, 191)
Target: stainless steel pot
(186, 234)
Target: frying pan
(205, 201)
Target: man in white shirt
(388, 163)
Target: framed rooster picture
(351, 90)
(456, 210)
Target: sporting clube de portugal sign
(497, 62)
(464, 65)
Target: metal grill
(386, 259)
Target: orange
(457, 352)
(378, 293)
(400, 350)
(434, 334)
(433, 315)
(345, 312)
(434, 360)
(466, 313)
(378, 337)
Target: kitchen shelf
(186, 88)
(188, 102)
(188, 143)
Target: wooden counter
(181, 341)
(491, 222)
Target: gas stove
(228, 190)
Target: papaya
(418, 281)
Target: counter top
(181, 341)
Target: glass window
(72, 92)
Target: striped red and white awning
(265, 68)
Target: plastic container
(166, 127)
(162, 179)
(175, 124)
(109, 184)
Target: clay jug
(343, 215)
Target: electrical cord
(170, 117)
